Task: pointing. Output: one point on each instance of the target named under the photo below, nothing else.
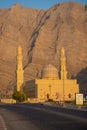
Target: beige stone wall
(8, 101)
(57, 90)
(71, 87)
(50, 87)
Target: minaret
(63, 65)
(20, 71)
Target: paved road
(41, 117)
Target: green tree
(19, 96)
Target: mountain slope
(42, 33)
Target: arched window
(69, 95)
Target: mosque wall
(58, 90)
(30, 89)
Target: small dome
(50, 72)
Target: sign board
(85, 96)
(79, 99)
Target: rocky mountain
(42, 33)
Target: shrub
(19, 96)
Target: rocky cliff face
(42, 33)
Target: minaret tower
(20, 71)
(63, 65)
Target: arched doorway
(48, 95)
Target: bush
(19, 96)
(70, 102)
(50, 100)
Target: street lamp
(50, 90)
(63, 90)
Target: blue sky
(39, 4)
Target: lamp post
(50, 90)
(0, 96)
(63, 90)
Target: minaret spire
(20, 72)
(63, 64)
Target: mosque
(50, 85)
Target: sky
(38, 4)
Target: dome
(50, 72)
